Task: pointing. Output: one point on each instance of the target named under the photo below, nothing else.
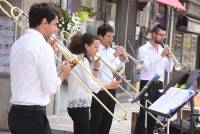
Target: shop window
(185, 49)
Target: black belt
(29, 108)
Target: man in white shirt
(155, 60)
(101, 120)
(33, 73)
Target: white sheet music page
(171, 100)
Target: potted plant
(85, 12)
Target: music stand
(169, 103)
(194, 77)
(145, 89)
(144, 92)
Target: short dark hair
(39, 11)
(78, 41)
(158, 27)
(103, 29)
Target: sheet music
(173, 99)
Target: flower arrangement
(68, 22)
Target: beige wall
(5, 80)
(4, 101)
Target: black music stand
(144, 92)
(193, 80)
(145, 89)
(169, 103)
(189, 79)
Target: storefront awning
(172, 3)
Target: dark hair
(157, 28)
(103, 29)
(77, 45)
(39, 11)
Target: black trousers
(80, 117)
(153, 95)
(101, 120)
(28, 120)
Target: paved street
(65, 124)
(62, 124)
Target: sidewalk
(62, 124)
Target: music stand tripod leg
(168, 125)
(145, 122)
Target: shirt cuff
(58, 81)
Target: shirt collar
(37, 33)
(102, 47)
(150, 46)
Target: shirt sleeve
(169, 64)
(147, 62)
(91, 83)
(116, 62)
(47, 70)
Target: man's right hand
(119, 50)
(113, 85)
(65, 70)
(166, 52)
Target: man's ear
(86, 46)
(153, 34)
(100, 37)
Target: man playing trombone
(33, 73)
(155, 60)
(101, 120)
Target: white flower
(72, 25)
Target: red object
(174, 3)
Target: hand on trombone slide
(96, 63)
(65, 70)
(113, 84)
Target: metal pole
(168, 125)
(146, 117)
(170, 31)
(126, 25)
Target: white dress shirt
(77, 95)
(33, 70)
(105, 75)
(154, 63)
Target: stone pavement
(64, 124)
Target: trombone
(18, 15)
(138, 64)
(117, 73)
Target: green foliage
(183, 86)
(90, 10)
